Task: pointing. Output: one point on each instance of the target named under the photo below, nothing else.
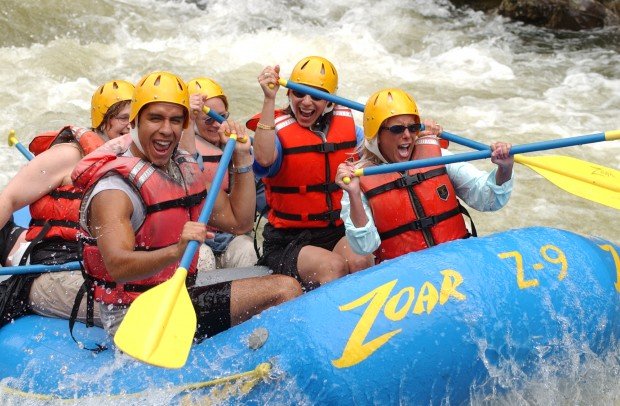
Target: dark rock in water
(482, 5)
(556, 14)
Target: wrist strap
(242, 169)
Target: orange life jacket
(88, 139)
(56, 214)
(414, 210)
(169, 205)
(303, 193)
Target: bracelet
(242, 169)
(265, 126)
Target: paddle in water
(160, 324)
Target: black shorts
(281, 246)
(8, 237)
(212, 306)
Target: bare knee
(252, 296)
(359, 262)
(284, 289)
(332, 268)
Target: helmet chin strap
(328, 108)
(136, 139)
(373, 146)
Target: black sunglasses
(209, 120)
(301, 95)
(399, 129)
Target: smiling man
(140, 211)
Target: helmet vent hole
(304, 65)
(322, 69)
(115, 85)
(156, 83)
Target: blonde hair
(367, 157)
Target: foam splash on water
(562, 371)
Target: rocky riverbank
(555, 14)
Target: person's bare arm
(234, 213)
(110, 223)
(39, 177)
(265, 150)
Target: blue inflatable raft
(425, 328)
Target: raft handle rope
(253, 377)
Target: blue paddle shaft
(24, 151)
(205, 213)
(324, 95)
(486, 153)
(215, 116)
(519, 149)
(534, 146)
(25, 269)
(463, 141)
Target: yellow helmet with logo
(208, 87)
(160, 87)
(317, 72)
(384, 104)
(106, 96)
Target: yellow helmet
(316, 71)
(208, 87)
(384, 104)
(106, 96)
(160, 87)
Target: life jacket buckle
(425, 222)
(327, 147)
(408, 180)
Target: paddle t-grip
(220, 119)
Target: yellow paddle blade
(160, 324)
(584, 179)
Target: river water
(481, 76)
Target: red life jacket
(56, 214)
(211, 156)
(169, 205)
(303, 193)
(414, 210)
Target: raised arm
(264, 140)
(188, 138)
(44, 173)
(234, 213)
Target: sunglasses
(210, 120)
(301, 95)
(399, 129)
